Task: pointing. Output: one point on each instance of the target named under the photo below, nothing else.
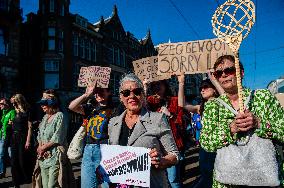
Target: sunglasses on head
(226, 71)
(136, 92)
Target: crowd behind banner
(235, 149)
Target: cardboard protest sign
(125, 165)
(147, 68)
(94, 75)
(190, 57)
(84, 77)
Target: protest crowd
(151, 117)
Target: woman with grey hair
(138, 127)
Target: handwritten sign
(94, 75)
(190, 57)
(147, 68)
(125, 165)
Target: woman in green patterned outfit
(51, 135)
(221, 126)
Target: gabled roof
(146, 39)
(113, 17)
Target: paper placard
(147, 68)
(190, 57)
(125, 165)
(94, 75)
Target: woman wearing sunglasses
(21, 158)
(96, 121)
(51, 150)
(162, 101)
(137, 126)
(206, 159)
(263, 116)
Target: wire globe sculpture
(233, 20)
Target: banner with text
(125, 165)
(190, 57)
(94, 75)
(147, 68)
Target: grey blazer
(151, 131)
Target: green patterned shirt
(216, 119)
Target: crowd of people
(150, 116)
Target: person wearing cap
(8, 115)
(52, 144)
(206, 159)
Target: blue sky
(262, 52)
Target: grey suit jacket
(151, 131)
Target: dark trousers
(21, 161)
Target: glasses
(137, 92)
(226, 71)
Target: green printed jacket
(216, 119)
(6, 116)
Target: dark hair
(7, 101)
(228, 57)
(109, 104)
(154, 88)
(208, 83)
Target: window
(43, 8)
(51, 77)
(118, 57)
(51, 65)
(51, 80)
(88, 50)
(114, 83)
(188, 91)
(3, 5)
(61, 10)
(94, 51)
(51, 6)
(60, 45)
(187, 79)
(75, 44)
(82, 47)
(60, 40)
(61, 34)
(51, 32)
(109, 55)
(2, 43)
(51, 44)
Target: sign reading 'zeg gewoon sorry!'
(190, 57)
(125, 165)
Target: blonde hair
(21, 104)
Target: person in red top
(162, 101)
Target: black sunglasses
(227, 71)
(137, 92)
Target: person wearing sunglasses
(8, 116)
(208, 92)
(263, 114)
(161, 100)
(138, 127)
(96, 119)
(52, 144)
(21, 156)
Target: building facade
(10, 21)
